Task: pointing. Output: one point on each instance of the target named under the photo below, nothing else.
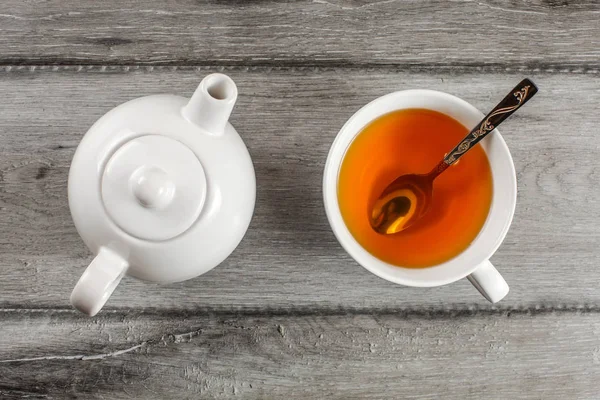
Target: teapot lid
(153, 187)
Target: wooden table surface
(290, 314)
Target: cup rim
(467, 261)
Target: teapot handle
(98, 282)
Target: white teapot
(160, 188)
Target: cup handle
(489, 282)
(98, 282)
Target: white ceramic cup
(473, 262)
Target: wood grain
(289, 259)
(499, 33)
(467, 355)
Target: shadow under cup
(501, 209)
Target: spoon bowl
(402, 203)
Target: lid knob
(152, 187)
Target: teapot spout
(212, 103)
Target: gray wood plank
(290, 258)
(467, 355)
(334, 32)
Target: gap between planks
(415, 68)
(414, 312)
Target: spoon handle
(511, 103)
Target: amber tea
(413, 141)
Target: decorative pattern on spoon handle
(511, 103)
